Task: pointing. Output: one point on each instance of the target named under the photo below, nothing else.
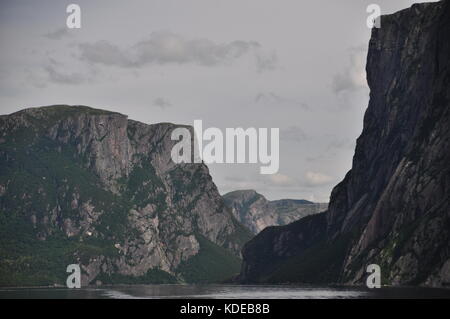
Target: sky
(294, 65)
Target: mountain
(393, 207)
(255, 212)
(87, 186)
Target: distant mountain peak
(256, 212)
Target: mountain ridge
(88, 186)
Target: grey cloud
(353, 77)
(315, 158)
(282, 180)
(271, 99)
(162, 102)
(293, 133)
(341, 143)
(58, 34)
(334, 147)
(266, 62)
(165, 47)
(52, 70)
(313, 179)
(103, 52)
(56, 76)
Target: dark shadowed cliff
(393, 206)
(80, 185)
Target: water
(221, 291)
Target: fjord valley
(91, 187)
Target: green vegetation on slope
(318, 264)
(212, 264)
(46, 178)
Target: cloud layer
(317, 179)
(58, 34)
(163, 47)
(162, 102)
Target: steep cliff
(392, 208)
(80, 185)
(255, 212)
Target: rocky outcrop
(80, 185)
(393, 207)
(255, 212)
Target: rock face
(255, 212)
(392, 208)
(80, 185)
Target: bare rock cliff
(393, 207)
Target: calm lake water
(220, 291)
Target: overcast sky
(295, 65)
